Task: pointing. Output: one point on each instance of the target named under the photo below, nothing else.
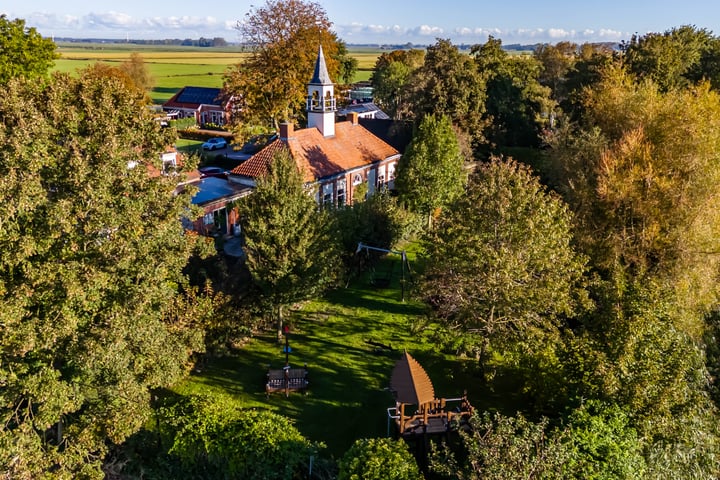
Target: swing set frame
(404, 264)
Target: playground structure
(417, 413)
(384, 282)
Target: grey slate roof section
(364, 108)
(320, 76)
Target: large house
(206, 105)
(341, 159)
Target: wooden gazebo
(412, 387)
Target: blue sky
(377, 21)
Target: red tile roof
(352, 146)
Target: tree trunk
(482, 360)
(279, 323)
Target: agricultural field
(174, 67)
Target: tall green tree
(447, 84)
(270, 85)
(292, 252)
(96, 310)
(671, 59)
(500, 264)
(390, 75)
(517, 106)
(24, 51)
(430, 174)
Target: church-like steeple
(321, 98)
(321, 75)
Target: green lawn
(348, 394)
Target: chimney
(286, 130)
(353, 117)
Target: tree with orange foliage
(270, 86)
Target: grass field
(174, 67)
(348, 396)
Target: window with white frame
(357, 179)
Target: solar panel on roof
(198, 95)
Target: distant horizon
(157, 41)
(377, 22)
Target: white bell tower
(321, 99)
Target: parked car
(213, 171)
(214, 144)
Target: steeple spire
(320, 76)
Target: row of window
(327, 197)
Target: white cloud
(114, 24)
(428, 31)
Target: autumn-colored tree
(643, 176)
(138, 72)
(270, 85)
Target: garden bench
(286, 380)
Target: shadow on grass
(337, 337)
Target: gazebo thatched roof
(410, 383)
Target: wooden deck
(434, 418)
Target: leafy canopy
(430, 174)
(95, 312)
(500, 262)
(292, 253)
(24, 51)
(378, 459)
(447, 84)
(642, 175)
(212, 437)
